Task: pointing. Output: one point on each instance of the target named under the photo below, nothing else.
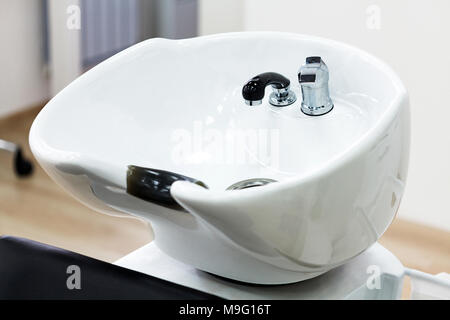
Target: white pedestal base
(375, 274)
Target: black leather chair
(32, 270)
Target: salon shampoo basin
(258, 194)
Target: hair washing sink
(166, 119)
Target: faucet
(313, 77)
(253, 91)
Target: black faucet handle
(254, 90)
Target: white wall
(413, 38)
(25, 78)
(217, 16)
(22, 78)
(64, 43)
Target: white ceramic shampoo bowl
(177, 106)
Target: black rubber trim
(315, 59)
(307, 78)
(153, 185)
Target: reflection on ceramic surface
(339, 177)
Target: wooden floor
(36, 208)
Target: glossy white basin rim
(177, 106)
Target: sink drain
(250, 183)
